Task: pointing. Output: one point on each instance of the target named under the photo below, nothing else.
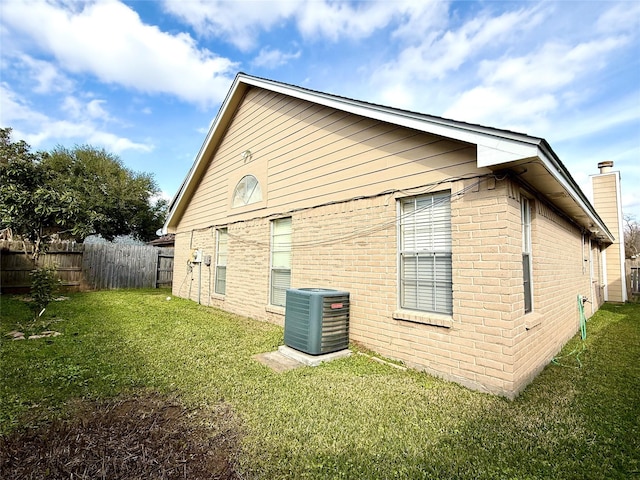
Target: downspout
(594, 293)
(605, 280)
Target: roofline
(570, 185)
(495, 147)
(224, 107)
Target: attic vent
(316, 320)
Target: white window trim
(527, 248)
(271, 255)
(218, 265)
(439, 317)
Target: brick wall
(560, 274)
(487, 344)
(352, 246)
(194, 280)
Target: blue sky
(144, 79)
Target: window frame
(527, 254)
(430, 244)
(246, 198)
(280, 244)
(222, 238)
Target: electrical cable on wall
(368, 230)
(411, 191)
(189, 270)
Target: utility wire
(370, 229)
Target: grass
(352, 418)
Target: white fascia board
(563, 178)
(494, 153)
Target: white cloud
(161, 195)
(272, 58)
(239, 23)
(550, 68)
(81, 126)
(620, 112)
(95, 110)
(117, 144)
(91, 110)
(481, 104)
(336, 20)
(109, 40)
(15, 109)
(421, 21)
(427, 64)
(621, 17)
(48, 78)
(398, 96)
(72, 106)
(522, 92)
(437, 55)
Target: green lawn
(352, 418)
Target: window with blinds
(525, 210)
(425, 253)
(280, 260)
(221, 261)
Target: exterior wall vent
(316, 320)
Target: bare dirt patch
(147, 436)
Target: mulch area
(142, 437)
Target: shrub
(43, 289)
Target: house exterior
(464, 248)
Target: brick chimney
(607, 202)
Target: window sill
(532, 320)
(217, 296)
(425, 318)
(274, 309)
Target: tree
(113, 199)
(73, 193)
(30, 206)
(631, 236)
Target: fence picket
(90, 266)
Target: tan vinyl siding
(304, 154)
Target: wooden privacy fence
(89, 266)
(125, 266)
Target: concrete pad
(277, 361)
(287, 358)
(312, 360)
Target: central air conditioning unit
(316, 320)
